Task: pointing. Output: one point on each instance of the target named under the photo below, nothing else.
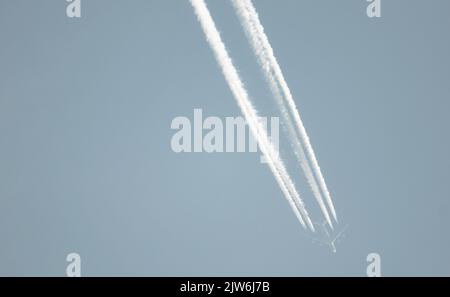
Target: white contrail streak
(242, 98)
(263, 49)
(263, 59)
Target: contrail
(261, 54)
(235, 83)
(261, 45)
(263, 59)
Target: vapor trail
(235, 83)
(263, 50)
(264, 61)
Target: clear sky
(86, 164)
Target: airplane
(329, 240)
